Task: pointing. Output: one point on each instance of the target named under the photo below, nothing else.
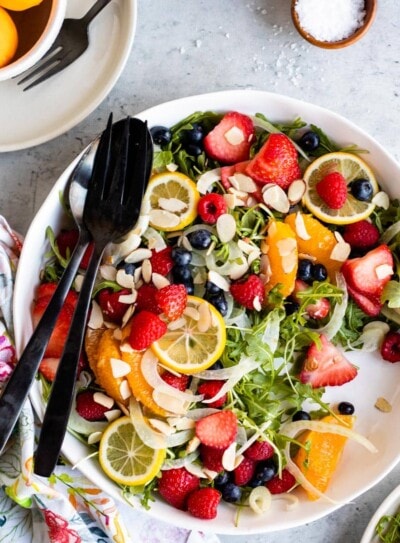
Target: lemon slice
(197, 343)
(171, 201)
(125, 458)
(351, 167)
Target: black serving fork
(120, 175)
(71, 42)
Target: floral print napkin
(66, 507)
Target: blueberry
(161, 135)
(305, 270)
(346, 408)
(231, 493)
(194, 134)
(193, 149)
(181, 256)
(218, 301)
(221, 480)
(189, 285)
(181, 274)
(265, 471)
(216, 366)
(319, 272)
(212, 288)
(200, 239)
(301, 415)
(362, 190)
(291, 307)
(309, 141)
(128, 267)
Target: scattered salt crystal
(330, 20)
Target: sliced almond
(125, 390)
(257, 303)
(172, 204)
(205, 321)
(78, 282)
(108, 272)
(238, 193)
(340, 252)
(103, 399)
(171, 167)
(286, 246)
(383, 405)
(113, 414)
(96, 320)
(296, 191)
(300, 226)
(230, 200)
(195, 469)
(119, 368)
(289, 262)
(161, 426)
(251, 201)
(243, 182)
(128, 298)
(246, 247)
(124, 279)
(383, 271)
(95, 437)
(265, 266)
(128, 314)
(207, 179)
(229, 457)
(176, 324)
(234, 136)
(163, 218)
(181, 423)
(147, 270)
(276, 198)
(264, 246)
(159, 281)
(219, 280)
(226, 227)
(186, 244)
(192, 313)
(138, 255)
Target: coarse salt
(330, 20)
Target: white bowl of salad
(243, 339)
(384, 526)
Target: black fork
(112, 207)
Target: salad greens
(388, 528)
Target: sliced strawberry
(161, 261)
(211, 458)
(180, 382)
(276, 162)
(210, 389)
(146, 299)
(176, 484)
(146, 327)
(59, 335)
(217, 430)
(244, 472)
(318, 310)
(326, 366)
(46, 290)
(113, 309)
(66, 242)
(48, 368)
(230, 141)
(369, 274)
(370, 305)
(229, 171)
(172, 300)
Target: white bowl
(389, 506)
(45, 21)
(359, 469)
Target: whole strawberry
(175, 485)
(332, 189)
(244, 472)
(361, 235)
(278, 485)
(211, 206)
(146, 299)
(276, 162)
(203, 503)
(88, 408)
(180, 382)
(230, 140)
(172, 301)
(248, 293)
(113, 309)
(146, 327)
(259, 450)
(161, 261)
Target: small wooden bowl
(370, 12)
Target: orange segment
(108, 348)
(320, 244)
(141, 389)
(92, 340)
(8, 38)
(281, 248)
(319, 457)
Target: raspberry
(172, 300)
(279, 485)
(203, 503)
(246, 292)
(211, 206)
(244, 472)
(146, 299)
(161, 261)
(259, 450)
(209, 389)
(332, 189)
(175, 485)
(146, 328)
(390, 348)
(361, 235)
(88, 408)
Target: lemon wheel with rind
(125, 458)
(352, 167)
(197, 343)
(171, 200)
